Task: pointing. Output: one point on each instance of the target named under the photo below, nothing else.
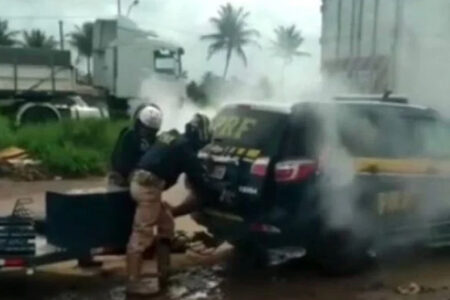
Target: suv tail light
(260, 167)
(295, 170)
(12, 263)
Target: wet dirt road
(299, 280)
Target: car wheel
(249, 255)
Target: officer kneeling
(159, 169)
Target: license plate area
(395, 202)
(218, 172)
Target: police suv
(337, 178)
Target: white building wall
(423, 59)
(329, 33)
(368, 14)
(346, 20)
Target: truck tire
(33, 113)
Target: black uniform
(127, 152)
(172, 155)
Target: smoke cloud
(364, 203)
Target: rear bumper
(235, 229)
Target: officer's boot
(163, 261)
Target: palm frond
(81, 39)
(287, 42)
(232, 32)
(216, 47)
(250, 33)
(7, 37)
(37, 38)
(250, 42)
(212, 36)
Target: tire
(341, 253)
(37, 113)
(248, 255)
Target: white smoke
(170, 97)
(350, 200)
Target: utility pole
(119, 9)
(61, 35)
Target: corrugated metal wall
(402, 45)
(359, 36)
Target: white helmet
(151, 117)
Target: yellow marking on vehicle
(253, 153)
(394, 202)
(240, 151)
(399, 166)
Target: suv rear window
(245, 127)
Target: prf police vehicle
(337, 178)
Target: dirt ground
(299, 280)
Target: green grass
(7, 136)
(68, 149)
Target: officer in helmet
(158, 170)
(133, 142)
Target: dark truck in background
(337, 178)
(38, 85)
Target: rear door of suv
(246, 143)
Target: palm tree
(288, 41)
(7, 36)
(81, 39)
(37, 38)
(232, 34)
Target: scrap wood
(16, 163)
(13, 153)
(411, 288)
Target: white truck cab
(126, 58)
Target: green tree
(37, 38)
(196, 93)
(286, 46)
(81, 39)
(7, 37)
(232, 34)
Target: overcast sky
(184, 21)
